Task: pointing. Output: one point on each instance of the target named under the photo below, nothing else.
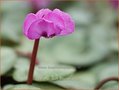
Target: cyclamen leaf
(21, 87)
(68, 52)
(109, 71)
(78, 81)
(8, 59)
(44, 53)
(114, 39)
(8, 6)
(52, 72)
(48, 86)
(11, 32)
(111, 85)
(42, 72)
(25, 46)
(90, 48)
(34, 86)
(83, 17)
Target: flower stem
(104, 81)
(33, 60)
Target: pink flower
(40, 3)
(47, 23)
(114, 3)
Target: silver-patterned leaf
(111, 85)
(21, 87)
(78, 81)
(8, 59)
(48, 86)
(42, 72)
(12, 22)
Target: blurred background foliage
(78, 61)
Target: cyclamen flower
(40, 3)
(47, 23)
(114, 3)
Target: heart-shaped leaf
(12, 22)
(8, 59)
(42, 72)
(48, 86)
(111, 85)
(78, 81)
(20, 87)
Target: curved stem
(104, 81)
(33, 60)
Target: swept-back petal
(30, 18)
(40, 28)
(56, 19)
(42, 13)
(68, 22)
(48, 23)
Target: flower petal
(48, 23)
(30, 18)
(69, 23)
(56, 19)
(42, 13)
(40, 28)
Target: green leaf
(114, 39)
(111, 85)
(83, 17)
(109, 71)
(21, 87)
(34, 86)
(105, 70)
(42, 72)
(69, 51)
(50, 72)
(48, 86)
(8, 59)
(9, 6)
(80, 48)
(78, 81)
(26, 45)
(12, 22)
(21, 70)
